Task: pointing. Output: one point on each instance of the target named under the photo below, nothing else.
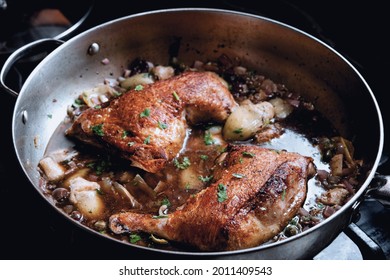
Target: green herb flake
(221, 149)
(125, 133)
(166, 202)
(117, 93)
(283, 194)
(78, 102)
(320, 205)
(221, 192)
(204, 157)
(248, 154)
(50, 116)
(176, 96)
(98, 129)
(182, 165)
(134, 238)
(208, 139)
(162, 125)
(160, 217)
(99, 166)
(99, 191)
(147, 140)
(145, 113)
(139, 87)
(97, 107)
(238, 175)
(205, 179)
(238, 130)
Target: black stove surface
(32, 230)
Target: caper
(291, 230)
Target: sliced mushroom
(126, 194)
(97, 95)
(138, 79)
(140, 184)
(158, 240)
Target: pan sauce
(120, 187)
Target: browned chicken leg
(148, 126)
(256, 192)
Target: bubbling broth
(114, 186)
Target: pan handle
(39, 47)
(380, 189)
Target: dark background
(30, 229)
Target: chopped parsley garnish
(205, 179)
(204, 157)
(160, 217)
(97, 107)
(134, 238)
(147, 140)
(238, 175)
(98, 129)
(248, 154)
(78, 102)
(99, 191)
(145, 113)
(139, 87)
(238, 130)
(162, 125)
(208, 139)
(222, 149)
(283, 194)
(182, 165)
(125, 133)
(320, 205)
(221, 192)
(99, 166)
(166, 202)
(176, 96)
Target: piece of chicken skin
(149, 126)
(264, 191)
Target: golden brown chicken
(255, 193)
(148, 125)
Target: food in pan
(247, 203)
(155, 118)
(208, 157)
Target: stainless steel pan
(287, 55)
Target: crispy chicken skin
(264, 190)
(148, 126)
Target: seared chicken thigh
(148, 126)
(255, 193)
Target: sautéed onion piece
(275, 118)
